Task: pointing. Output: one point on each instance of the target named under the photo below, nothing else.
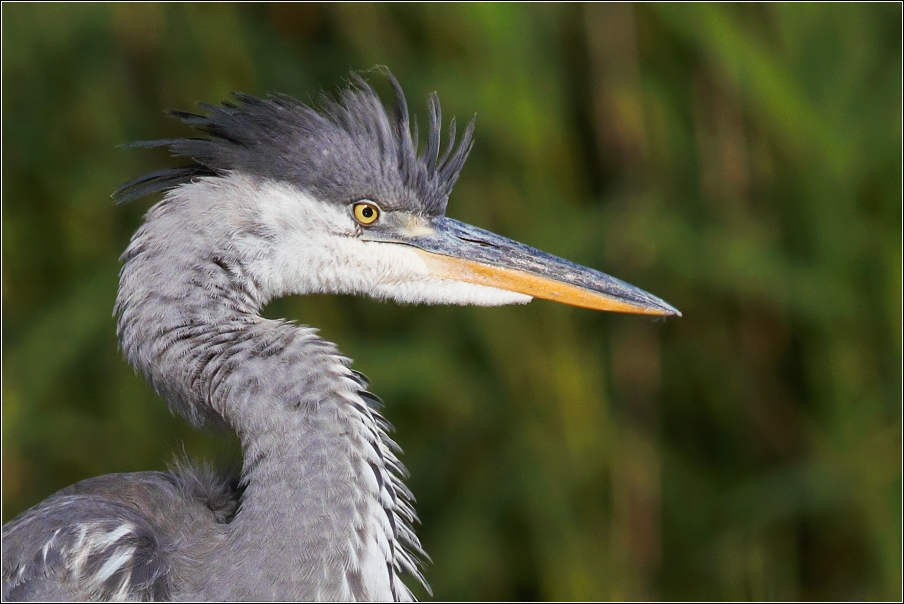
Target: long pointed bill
(459, 251)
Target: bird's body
(116, 537)
(281, 200)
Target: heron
(280, 197)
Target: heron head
(340, 199)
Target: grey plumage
(119, 532)
(349, 149)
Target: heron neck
(322, 507)
(311, 525)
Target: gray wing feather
(77, 547)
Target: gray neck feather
(324, 514)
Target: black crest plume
(349, 148)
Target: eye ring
(366, 212)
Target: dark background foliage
(743, 162)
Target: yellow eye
(366, 212)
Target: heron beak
(458, 251)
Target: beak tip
(671, 311)
(658, 306)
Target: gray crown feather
(349, 149)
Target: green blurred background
(742, 162)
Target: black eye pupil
(367, 212)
